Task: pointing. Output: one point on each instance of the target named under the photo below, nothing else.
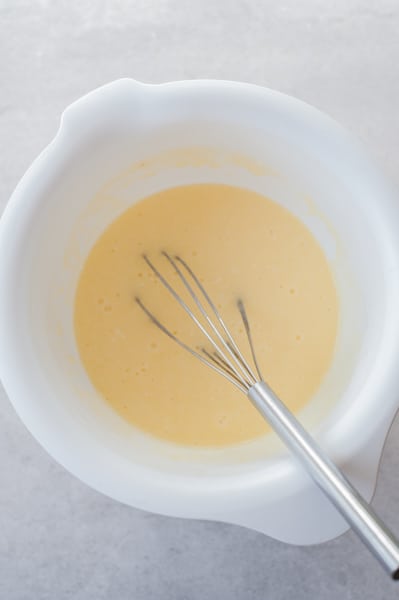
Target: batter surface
(240, 244)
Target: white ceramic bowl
(124, 141)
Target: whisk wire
(243, 313)
(237, 358)
(218, 360)
(244, 383)
(222, 371)
(231, 343)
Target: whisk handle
(357, 512)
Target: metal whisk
(226, 358)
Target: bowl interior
(85, 216)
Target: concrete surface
(58, 539)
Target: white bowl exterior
(74, 189)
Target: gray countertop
(58, 538)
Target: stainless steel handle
(357, 512)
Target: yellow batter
(241, 244)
